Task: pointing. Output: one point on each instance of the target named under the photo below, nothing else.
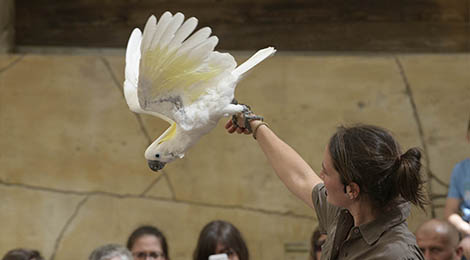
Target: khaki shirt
(387, 237)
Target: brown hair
(370, 157)
(315, 243)
(223, 232)
(148, 230)
(23, 254)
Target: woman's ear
(353, 190)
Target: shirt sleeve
(455, 179)
(326, 213)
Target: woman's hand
(232, 128)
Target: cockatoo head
(163, 150)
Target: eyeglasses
(151, 255)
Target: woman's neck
(362, 213)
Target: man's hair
(109, 251)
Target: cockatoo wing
(174, 71)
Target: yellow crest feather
(169, 134)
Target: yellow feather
(178, 72)
(169, 134)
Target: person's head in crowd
(373, 172)
(111, 252)
(221, 237)
(439, 240)
(148, 241)
(316, 241)
(22, 254)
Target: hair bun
(412, 154)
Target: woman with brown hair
(362, 193)
(23, 254)
(148, 241)
(221, 237)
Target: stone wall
(73, 175)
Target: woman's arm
(451, 214)
(286, 162)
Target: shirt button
(356, 231)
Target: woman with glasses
(221, 237)
(147, 242)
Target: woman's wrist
(255, 125)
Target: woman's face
(148, 247)
(222, 249)
(333, 185)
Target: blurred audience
(457, 210)
(316, 242)
(221, 237)
(465, 244)
(148, 241)
(22, 254)
(439, 240)
(110, 252)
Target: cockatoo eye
(157, 155)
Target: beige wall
(73, 175)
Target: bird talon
(248, 116)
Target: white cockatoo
(181, 80)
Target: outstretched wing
(174, 71)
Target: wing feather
(165, 19)
(186, 29)
(133, 57)
(149, 31)
(170, 31)
(176, 70)
(196, 39)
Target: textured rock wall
(73, 176)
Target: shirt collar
(373, 230)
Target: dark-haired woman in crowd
(362, 193)
(148, 241)
(316, 242)
(220, 237)
(22, 254)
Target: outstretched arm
(451, 214)
(296, 174)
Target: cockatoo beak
(156, 165)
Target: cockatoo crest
(181, 80)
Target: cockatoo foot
(248, 116)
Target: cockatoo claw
(248, 116)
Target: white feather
(165, 19)
(183, 32)
(253, 61)
(170, 31)
(149, 31)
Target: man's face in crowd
(436, 247)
